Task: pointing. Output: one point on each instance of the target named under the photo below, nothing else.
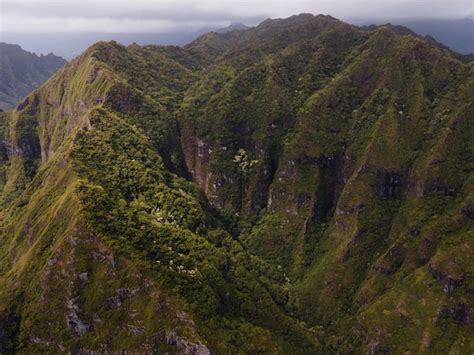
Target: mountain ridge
(280, 188)
(21, 72)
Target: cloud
(26, 24)
(112, 16)
(140, 10)
(167, 15)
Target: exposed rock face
(197, 154)
(186, 347)
(449, 282)
(391, 185)
(72, 318)
(460, 313)
(301, 186)
(122, 99)
(375, 348)
(62, 276)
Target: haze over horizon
(298, 182)
(167, 16)
(69, 26)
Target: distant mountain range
(235, 26)
(30, 70)
(21, 72)
(69, 45)
(402, 30)
(300, 187)
(456, 34)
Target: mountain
(402, 30)
(235, 26)
(303, 186)
(21, 72)
(70, 45)
(457, 34)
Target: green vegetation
(301, 186)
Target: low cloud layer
(161, 16)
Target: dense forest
(303, 186)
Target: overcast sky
(171, 15)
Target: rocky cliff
(303, 185)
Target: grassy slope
(98, 206)
(361, 158)
(339, 160)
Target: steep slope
(348, 158)
(21, 72)
(301, 186)
(467, 57)
(95, 226)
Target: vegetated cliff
(21, 72)
(299, 186)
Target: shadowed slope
(298, 186)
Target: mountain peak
(302, 186)
(234, 26)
